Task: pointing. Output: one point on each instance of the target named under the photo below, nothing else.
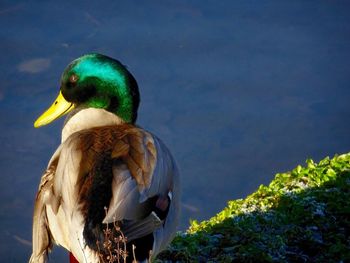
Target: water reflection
(238, 91)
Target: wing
(125, 169)
(42, 239)
(146, 172)
(149, 172)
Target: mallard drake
(109, 178)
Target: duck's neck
(88, 118)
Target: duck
(111, 190)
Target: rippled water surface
(239, 90)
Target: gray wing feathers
(127, 201)
(125, 196)
(163, 235)
(140, 228)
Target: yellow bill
(59, 108)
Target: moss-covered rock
(302, 216)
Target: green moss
(301, 216)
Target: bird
(111, 190)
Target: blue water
(239, 90)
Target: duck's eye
(73, 79)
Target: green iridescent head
(95, 81)
(98, 81)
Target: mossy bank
(302, 216)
